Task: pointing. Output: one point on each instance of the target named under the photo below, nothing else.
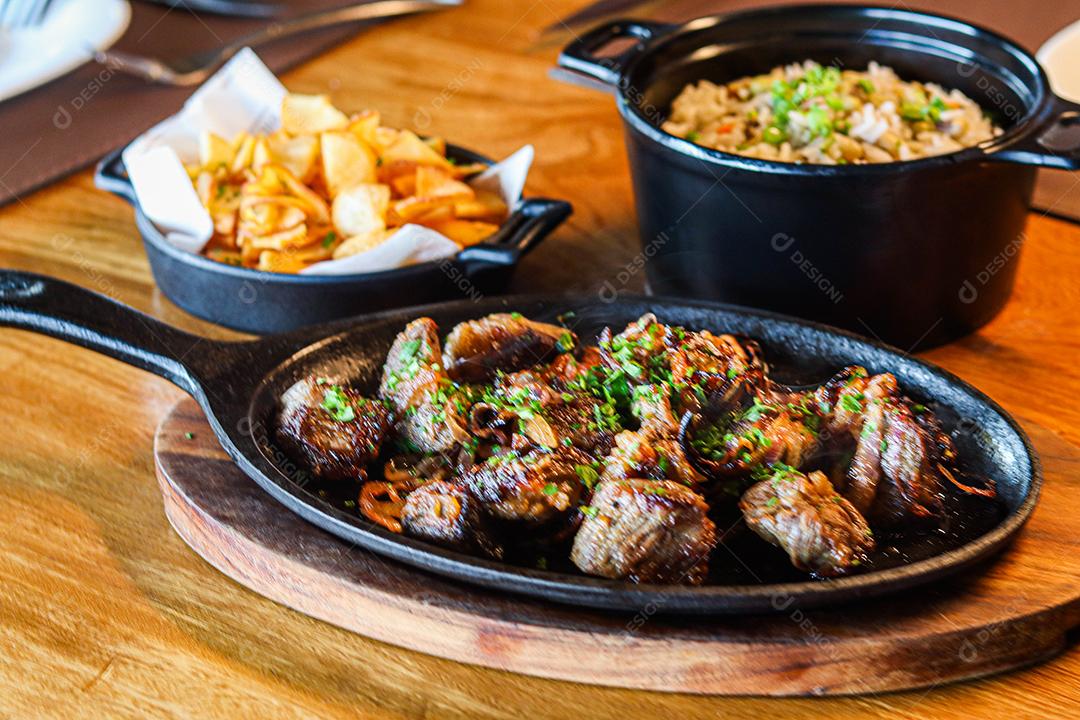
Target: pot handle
(580, 55)
(48, 306)
(1054, 144)
(111, 175)
(533, 221)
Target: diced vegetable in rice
(806, 113)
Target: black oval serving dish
(263, 302)
(238, 385)
(916, 252)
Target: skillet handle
(580, 55)
(111, 175)
(1053, 144)
(48, 306)
(533, 221)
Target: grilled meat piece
(709, 370)
(645, 531)
(894, 473)
(754, 435)
(477, 349)
(444, 513)
(652, 406)
(805, 517)
(642, 348)
(430, 411)
(568, 368)
(637, 455)
(715, 372)
(334, 429)
(547, 416)
(537, 486)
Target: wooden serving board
(1005, 614)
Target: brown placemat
(69, 123)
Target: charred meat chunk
(805, 517)
(894, 471)
(714, 372)
(651, 405)
(754, 435)
(537, 486)
(568, 369)
(333, 428)
(636, 455)
(446, 514)
(550, 417)
(476, 350)
(645, 531)
(430, 411)
(640, 350)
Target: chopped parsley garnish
(852, 403)
(588, 510)
(588, 475)
(329, 239)
(337, 405)
(757, 410)
(550, 489)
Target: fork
(197, 68)
(23, 13)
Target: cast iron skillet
(237, 385)
(836, 244)
(264, 302)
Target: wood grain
(1003, 615)
(105, 612)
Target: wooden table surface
(103, 609)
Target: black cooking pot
(265, 302)
(916, 252)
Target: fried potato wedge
(486, 206)
(362, 243)
(346, 161)
(298, 154)
(281, 262)
(365, 126)
(310, 114)
(466, 232)
(214, 150)
(408, 146)
(438, 182)
(361, 209)
(282, 240)
(411, 208)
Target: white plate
(1060, 56)
(1057, 191)
(67, 38)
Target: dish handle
(59, 309)
(533, 221)
(1053, 143)
(580, 56)
(111, 175)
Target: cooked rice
(806, 113)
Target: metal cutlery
(197, 68)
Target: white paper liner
(244, 96)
